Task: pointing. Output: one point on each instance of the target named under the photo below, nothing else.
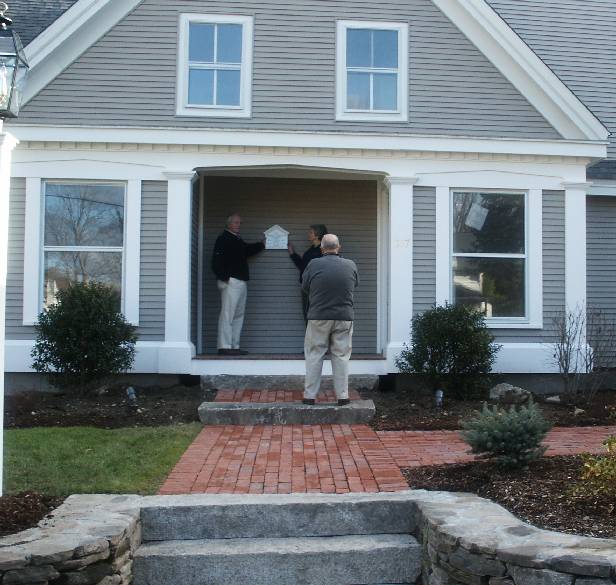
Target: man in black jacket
(230, 265)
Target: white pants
(232, 308)
(335, 336)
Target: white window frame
(345, 114)
(183, 107)
(533, 278)
(34, 248)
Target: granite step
(334, 560)
(285, 413)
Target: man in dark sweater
(230, 265)
(329, 282)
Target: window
(214, 73)
(372, 79)
(83, 235)
(490, 261)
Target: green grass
(68, 460)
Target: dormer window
(215, 65)
(372, 64)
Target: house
(459, 148)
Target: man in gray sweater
(329, 282)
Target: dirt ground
(541, 495)
(24, 510)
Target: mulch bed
(24, 510)
(540, 495)
(155, 406)
(397, 411)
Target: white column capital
(403, 181)
(179, 175)
(581, 186)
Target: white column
(400, 263)
(178, 347)
(7, 144)
(575, 245)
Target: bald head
(233, 223)
(330, 244)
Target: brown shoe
(308, 401)
(343, 401)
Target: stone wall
(468, 540)
(89, 540)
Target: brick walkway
(329, 458)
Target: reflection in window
(214, 64)
(372, 69)
(84, 235)
(489, 253)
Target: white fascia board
(524, 69)
(594, 150)
(68, 37)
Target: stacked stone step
(355, 539)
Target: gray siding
(194, 264)
(424, 249)
(15, 269)
(153, 258)
(601, 254)
(577, 40)
(274, 323)
(553, 273)
(128, 77)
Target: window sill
(496, 324)
(370, 117)
(196, 112)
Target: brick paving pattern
(330, 458)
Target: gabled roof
(32, 17)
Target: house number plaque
(276, 238)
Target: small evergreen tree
(452, 347)
(83, 339)
(511, 437)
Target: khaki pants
(232, 307)
(336, 337)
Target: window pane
(229, 43)
(488, 222)
(494, 286)
(385, 91)
(358, 91)
(359, 47)
(201, 87)
(228, 88)
(84, 215)
(201, 42)
(63, 268)
(385, 48)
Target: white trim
(603, 188)
(400, 261)
(533, 257)
(68, 37)
(443, 246)
(575, 245)
(183, 108)
(33, 245)
(382, 266)
(177, 272)
(345, 114)
(132, 251)
(330, 140)
(523, 68)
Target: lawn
(64, 460)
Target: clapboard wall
(274, 323)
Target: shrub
(83, 339)
(511, 437)
(452, 347)
(599, 473)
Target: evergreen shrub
(453, 348)
(511, 437)
(83, 339)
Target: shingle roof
(32, 17)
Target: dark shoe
(308, 401)
(242, 352)
(343, 401)
(227, 352)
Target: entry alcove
(293, 199)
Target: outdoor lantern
(13, 67)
